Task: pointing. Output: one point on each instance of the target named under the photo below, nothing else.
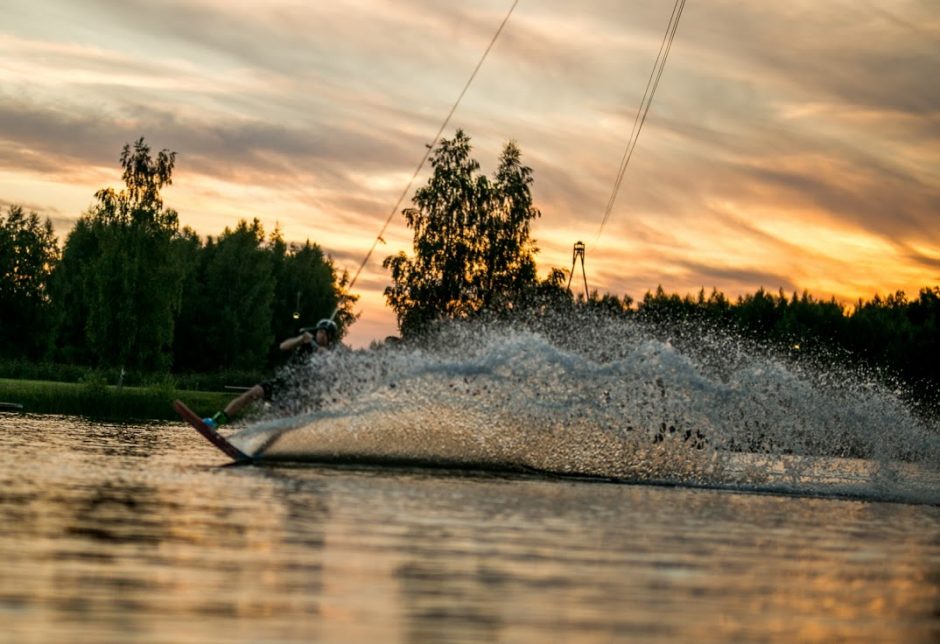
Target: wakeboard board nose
(217, 439)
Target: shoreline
(96, 400)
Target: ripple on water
(138, 534)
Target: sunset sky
(792, 145)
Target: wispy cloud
(789, 146)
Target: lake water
(127, 533)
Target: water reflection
(110, 539)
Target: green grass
(21, 369)
(97, 400)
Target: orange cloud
(787, 145)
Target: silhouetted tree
(241, 293)
(121, 281)
(308, 287)
(71, 288)
(28, 255)
(472, 250)
(235, 301)
(507, 270)
(189, 339)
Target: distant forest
(472, 256)
(131, 290)
(895, 337)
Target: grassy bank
(98, 400)
(61, 372)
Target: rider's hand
(306, 337)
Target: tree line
(896, 336)
(473, 256)
(132, 289)
(472, 248)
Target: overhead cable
(652, 83)
(430, 148)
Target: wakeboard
(210, 435)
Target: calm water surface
(138, 533)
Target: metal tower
(577, 252)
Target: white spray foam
(613, 400)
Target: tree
(472, 250)
(922, 363)
(662, 308)
(240, 295)
(123, 285)
(28, 254)
(307, 289)
(71, 285)
(236, 299)
(188, 338)
(508, 267)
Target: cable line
(427, 153)
(645, 103)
